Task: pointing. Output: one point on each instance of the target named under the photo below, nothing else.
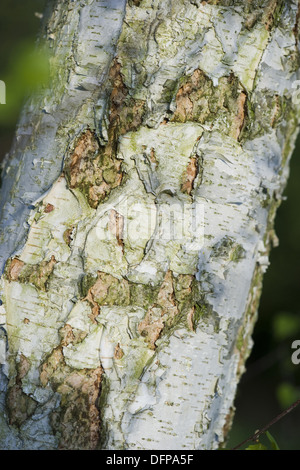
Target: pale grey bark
(137, 216)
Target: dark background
(271, 383)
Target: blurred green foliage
(287, 393)
(272, 444)
(285, 325)
(22, 67)
(28, 70)
(271, 382)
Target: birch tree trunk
(137, 215)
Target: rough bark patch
(77, 420)
(198, 100)
(264, 14)
(126, 113)
(94, 168)
(190, 175)
(36, 274)
(276, 111)
(49, 208)
(135, 2)
(239, 119)
(118, 353)
(116, 226)
(268, 111)
(163, 311)
(14, 269)
(296, 27)
(173, 306)
(91, 170)
(86, 146)
(270, 12)
(19, 405)
(109, 290)
(67, 235)
(51, 365)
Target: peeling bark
(138, 204)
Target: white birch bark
(136, 220)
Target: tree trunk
(137, 215)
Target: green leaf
(274, 444)
(257, 446)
